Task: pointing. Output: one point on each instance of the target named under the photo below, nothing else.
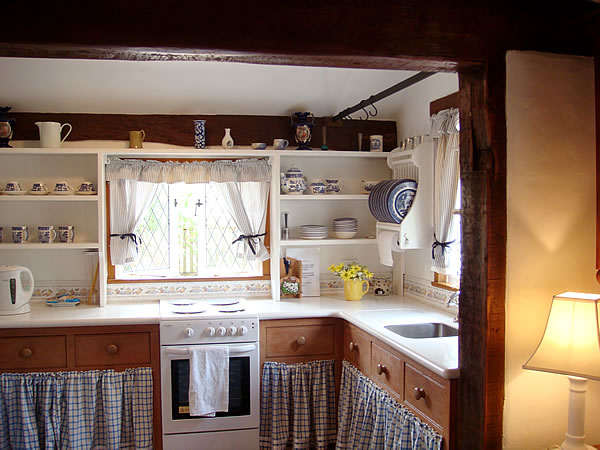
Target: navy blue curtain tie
(249, 238)
(437, 243)
(132, 236)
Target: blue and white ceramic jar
(318, 187)
(293, 181)
(199, 133)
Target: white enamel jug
(50, 133)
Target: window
(191, 230)
(452, 278)
(185, 232)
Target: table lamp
(571, 346)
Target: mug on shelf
(66, 233)
(136, 138)
(376, 143)
(46, 234)
(20, 234)
(62, 187)
(334, 185)
(280, 144)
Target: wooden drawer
(357, 349)
(33, 352)
(387, 370)
(428, 395)
(300, 340)
(131, 349)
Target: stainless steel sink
(423, 330)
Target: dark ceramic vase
(302, 122)
(6, 127)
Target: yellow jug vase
(355, 289)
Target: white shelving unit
(87, 213)
(57, 260)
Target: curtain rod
(383, 94)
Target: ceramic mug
(63, 187)
(13, 186)
(20, 234)
(136, 138)
(50, 133)
(66, 233)
(38, 186)
(334, 185)
(318, 187)
(280, 144)
(86, 186)
(46, 234)
(376, 143)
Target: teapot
(293, 181)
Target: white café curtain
(77, 410)
(445, 133)
(245, 190)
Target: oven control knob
(221, 331)
(231, 331)
(189, 332)
(210, 331)
(242, 330)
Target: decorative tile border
(204, 288)
(331, 284)
(421, 288)
(47, 289)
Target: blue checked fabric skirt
(369, 418)
(298, 405)
(76, 410)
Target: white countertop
(439, 355)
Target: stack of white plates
(390, 200)
(313, 231)
(345, 227)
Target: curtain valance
(220, 171)
(445, 122)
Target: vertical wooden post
(483, 177)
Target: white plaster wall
(551, 232)
(413, 120)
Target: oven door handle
(232, 349)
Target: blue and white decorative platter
(390, 200)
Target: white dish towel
(209, 379)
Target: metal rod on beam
(383, 94)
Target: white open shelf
(320, 242)
(324, 197)
(50, 246)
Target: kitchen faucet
(454, 299)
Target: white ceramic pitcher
(50, 133)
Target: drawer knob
(301, 340)
(419, 393)
(112, 349)
(352, 346)
(26, 353)
(381, 369)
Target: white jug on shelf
(50, 133)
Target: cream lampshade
(571, 346)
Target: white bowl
(344, 234)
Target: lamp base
(575, 435)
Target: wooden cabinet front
(33, 352)
(112, 349)
(387, 370)
(357, 348)
(428, 395)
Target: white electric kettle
(16, 287)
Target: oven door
(243, 391)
